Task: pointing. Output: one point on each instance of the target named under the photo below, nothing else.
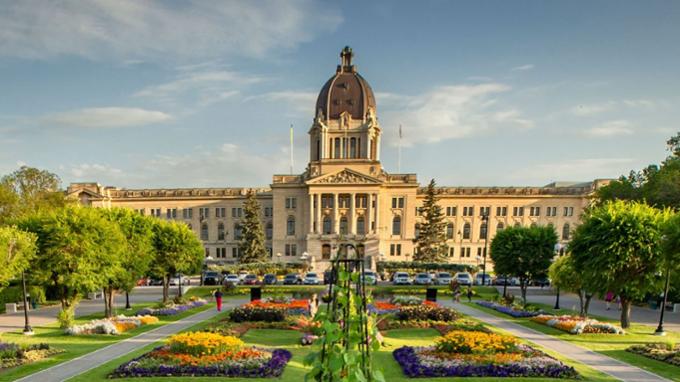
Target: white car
(478, 279)
(242, 275)
(311, 278)
(422, 279)
(401, 278)
(370, 278)
(464, 278)
(232, 278)
(443, 278)
(176, 280)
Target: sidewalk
(99, 357)
(615, 368)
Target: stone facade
(345, 195)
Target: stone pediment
(345, 176)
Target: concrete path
(99, 357)
(615, 368)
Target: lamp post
(558, 250)
(485, 221)
(659, 330)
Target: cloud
(584, 110)
(158, 30)
(522, 68)
(449, 112)
(106, 117)
(574, 169)
(93, 172)
(610, 128)
(301, 102)
(597, 108)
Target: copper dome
(345, 91)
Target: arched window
(290, 226)
(268, 232)
(449, 231)
(352, 147)
(396, 225)
(327, 227)
(466, 231)
(500, 227)
(483, 230)
(566, 232)
(417, 230)
(220, 231)
(343, 226)
(204, 231)
(326, 252)
(238, 231)
(336, 147)
(361, 225)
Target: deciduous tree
(29, 190)
(17, 249)
(431, 240)
(564, 276)
(616, 248)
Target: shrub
(467, 342)
(426, 312)
(203, 343)
(66, 317)
(251, 313)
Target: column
(377, 147)
(322, 134)
(319, 223)
(377, 213)
(311, 213)
(367, 214)
(336, 215)
(352, 214)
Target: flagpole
(291, 149)
(399, 153)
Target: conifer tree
(431, 242)
(251, 245)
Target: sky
(143, 94)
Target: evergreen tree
(431, 242)
(251, 245)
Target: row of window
(343, 226)
(501, 211)
(203, 212)
(328, 201)
(467, 229)
(238, 231)
(221, 252)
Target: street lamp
(485, 221)
(27, 326)
(659, 330)
(558, 251)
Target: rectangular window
(468, 211)
(234, 252)
(204, 212)
(452, 251)
(568, 211)
(395, 249)
(291, 203)
(207, 251)
(451, 211)
(140, 211)
(501, 211)
(517, 211)
(291, 250)
(398, 202)
(188, 213)
(534, 211)
(220, 212)
(268, 212)
(484, 211)
(360, 201)
(156, 212)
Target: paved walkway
(99, 357)
(615, 368)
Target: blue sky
(188, 94)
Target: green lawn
(295, 370)
(76, 346)
(608, 344)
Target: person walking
(469, 293)
(608, 298)
(218, 299)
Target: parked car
(211, 278)
(144, 281)
(292, 279)
(179, 279)
(242, 275)
(502, 280)
(478, 279)
(541, 282)
(443, 278)
(311, 278)
(251, 279)
(370, 278)
(269, 279)
(232, 278)
(422, 279)
(514, 281)
(155, 282)
(464, 278)
(401, 278)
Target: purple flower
(517, 313)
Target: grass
(295, 370)
(608, 344)
(75, 346)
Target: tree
(563, 275)
(431, 241)
(524, 252)
(29, 190)
(136, 254)
(175, 249)
(78, 252)
(251, 246)
(616, 248)
(670, 245)
(17, 249)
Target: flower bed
(664, 352)
(205, 354)
(396, 303)
(443, 327)
(12, 355)
(112, 326)
(171, 309)
(509, 310)
(479, 354)
(577, 325)
(291, 306)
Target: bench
(13, 307)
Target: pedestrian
(469, 293)
(608, 298)
(218, 300)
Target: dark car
(292, 279)
(541, 282)
(211, 278)
(269, 279)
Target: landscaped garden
(577, 325)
